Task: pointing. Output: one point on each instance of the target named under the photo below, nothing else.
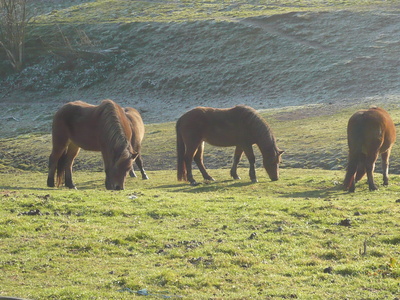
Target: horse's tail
(61, 168)
(356, 140)
(180, 148)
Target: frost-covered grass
(114, 11)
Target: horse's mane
(113, 131)
(250, 116)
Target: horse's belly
(87, 144)
(221, 141)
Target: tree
(13, 22)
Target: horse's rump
(136, 123)
(369, 133)
(370, 130)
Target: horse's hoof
(207, 181)
(195, 183)
(236, 177)
(50, 183)
(254, 180)
(145, 177)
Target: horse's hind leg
(361, 170)
(59, 147)
(53, 159)
(198, 158)
(349, 180)
(190, 151)
(252, 161)
(72, 152)
(236, 158)
(370, 167)
(385, 166)
(139, 163)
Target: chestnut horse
(369, 133)
(103, 128)
(240, 126)
(137, 127)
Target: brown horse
(240, 126)
(137, 127)
(369, 133)
(102, 128)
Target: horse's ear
(280, 152)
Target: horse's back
(87, 125)
(223, 126)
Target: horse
(369, 133)
(137, 127)
(240, 126)
(104, 128)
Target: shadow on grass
(205, 187)
(81, 186)
(328, 192)
(8, 187)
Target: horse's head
(116, 173)
(271, 165)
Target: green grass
(114, 11)
(224, 240)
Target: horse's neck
(267, 146)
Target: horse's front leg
(132, 173)
(385, 167)
(198, 158)
(139, 163)
(252, 161)
(236, 158)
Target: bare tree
(13, 22)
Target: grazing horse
(137, 127)
(240, 126)
(369, 133)
(102, 128)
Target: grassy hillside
(165, 57)
(300, 238)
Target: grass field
(300, 237)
